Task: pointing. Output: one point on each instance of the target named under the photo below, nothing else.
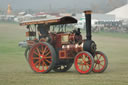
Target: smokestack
(88, 24)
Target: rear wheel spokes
(36, 63)
(46, 54)
(38, 51)
(49, 57)
(45, 50)
(48, 61)
(41, 57)
(44, 66)
(35, 58)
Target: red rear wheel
(84, 62)
(100, 62)
(42, 57)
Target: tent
(120, 13)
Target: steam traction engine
(63, 48)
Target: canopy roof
(51, 21)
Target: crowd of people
(114, 26)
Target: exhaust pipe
(89, 44)
(88, 24)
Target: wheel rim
(40, 58)
(99, 62)
(83, 63)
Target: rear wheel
(26, 53)
(84, 62)
(42, 57)
(100, 62)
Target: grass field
(14, 70)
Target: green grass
(113, 34)
(14, 70)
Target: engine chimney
(89, 44)
(88, 24)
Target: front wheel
(100, 62)
(84, 62)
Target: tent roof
(120, 12)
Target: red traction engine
(62, 49)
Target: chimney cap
(88, 12)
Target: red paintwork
(70, 49)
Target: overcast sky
(46, 4)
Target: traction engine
(65, 48)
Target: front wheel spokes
(100, 57)
(86, 67)
(98, 66)
(101, 65)
(82, 67)
(101, 62)
(95, 65)
(83, 58)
